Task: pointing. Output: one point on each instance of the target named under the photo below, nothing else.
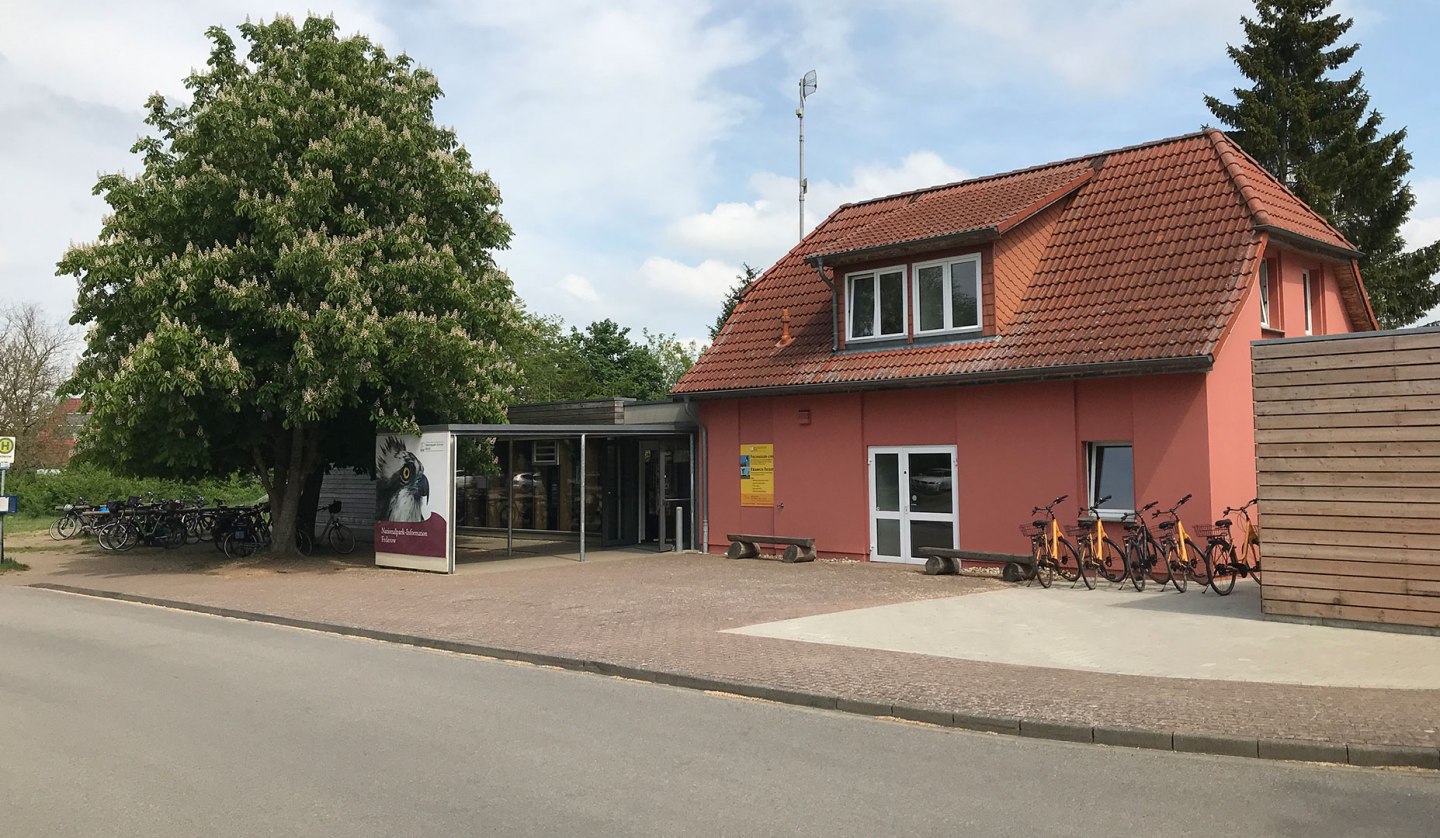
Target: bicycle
(1142, 550)
(1046, 543)
(1226, 562)
(248, 532)
(1183, 557)
(335, 533)
(72, 520)
(1098, 551)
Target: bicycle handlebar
(1053, 504)
(1174, 509)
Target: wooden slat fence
(1347, 437)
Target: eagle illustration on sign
(404, 490)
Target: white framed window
(1309, 317)
(947, 295)
(1265, 294)
(1111, 467)
(875, 305)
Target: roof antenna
(807, 86)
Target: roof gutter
(1069, 372)
(1308, 243)
(977, 235)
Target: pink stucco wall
(1017, 445)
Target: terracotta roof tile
(1148, 262)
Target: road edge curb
(1280, 750)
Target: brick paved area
(665, 612)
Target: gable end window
(1270, 295)
(1309, 310)
(875, 304)
(947, 295)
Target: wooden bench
(944, 561)
(796, 550)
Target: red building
(926, 367)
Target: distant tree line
(599, 361)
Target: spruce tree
(1315, 131)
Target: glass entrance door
(912, 501)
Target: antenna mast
(807, 86)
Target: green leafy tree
(611, 364)
(1315, 131)
(549, 367)
(599, 362)
(303, 257)
(733, 298)
(675, 359)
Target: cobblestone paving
(665, 612)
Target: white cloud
(117, 54)
(1423, 228)
(758, 232)
(608, 107)
(706, 282)
(1103, 48)
(580, 288)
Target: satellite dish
(807, 85)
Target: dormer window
(875, 302)
(947, 294)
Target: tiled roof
(1147, 264)
(992, 202)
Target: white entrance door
(912, 501)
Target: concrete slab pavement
(1121, 631)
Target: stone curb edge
(1296, 750)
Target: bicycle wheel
(1067, 561)
(1113, 567)
(69, 525)
(170, 533)
(341, 539)
(55, 530)
(237, 544)
(1175, 568)
(1087, 564)
(1044, 569)
(1221, 558)
(108, 536)
(1135, 560)
(304, 542)
(1199, 569)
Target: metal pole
(510, 499)
(800, 112)
(4, 470)
(679, 528)
(582, 497)
(694, 492)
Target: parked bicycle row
(1157, 547)
(237, 531)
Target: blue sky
(646, 149)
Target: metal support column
(510, 500)
(582, 497)
(694, 492)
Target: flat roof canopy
(558, 431)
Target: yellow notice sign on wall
(757, 475)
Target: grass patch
(16, 524)
(10, 564)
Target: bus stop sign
(7, 451)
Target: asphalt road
(118, 719)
